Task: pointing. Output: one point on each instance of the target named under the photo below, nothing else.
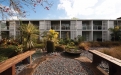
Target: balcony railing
(86, 27)
(65, 28)
(104, 28)
(55, 27)
(95, 27)
(5, 28)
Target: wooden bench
(8, 67)
(114, 63)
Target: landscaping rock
(62, 66)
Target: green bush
(2, 58)
(7, 52)
(59, 48)
(39, 45)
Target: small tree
(116, 33)
(10, 8)
(53, 36)
(29, 32)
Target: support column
(14, 30)
(0, 32)
(60, 29)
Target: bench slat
(107, 57)
(14, 60)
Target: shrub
(39, 45)
(84, 46)
(19, 49)
(114, 52)
(2, 58)
(7, 52)
(60, 48)
(94, 44)
(104, 44)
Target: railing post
(9, 71)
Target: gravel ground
(62, 66)
(20, 66)
(104, 65)
(65, 64)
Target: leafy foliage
(28, 31)
(19, 48)
(7, 52)
(116, 33)
(114, 52)
(17, 7)
(52, 35)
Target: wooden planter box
(8, 67)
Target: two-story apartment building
(91, 30)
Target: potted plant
(73, 49)
(51, 40)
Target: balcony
(86, 27)
(104, 27)
(97, 27)
(5, 28)
(55, 27)
(65, 28)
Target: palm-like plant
(29, 33)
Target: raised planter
(73, 51)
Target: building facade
(91, 30)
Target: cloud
(13, 18)
(85, 8)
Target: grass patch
(114, 52)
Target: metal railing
(55, 27)
(97, 27)
(5, 28)
(86, 27)
(65, 28)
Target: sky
(81, 9)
